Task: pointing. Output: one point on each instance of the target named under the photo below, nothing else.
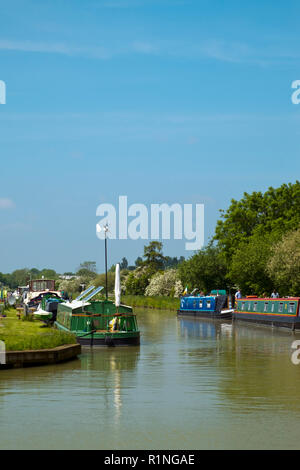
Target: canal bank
(27, 342)
(15, 359)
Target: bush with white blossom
(166, 283)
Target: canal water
(191, 384)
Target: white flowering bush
(178, 288)
(165, 283)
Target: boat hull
(292, 323)
(227, 314)
(109, 341)
(104, 338)
(280, 312)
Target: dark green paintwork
(268, 306)
(96, 316)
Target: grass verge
(162, 303)
(20, 335)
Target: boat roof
(76, 304)
(266, 299)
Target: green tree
(48, 274)
(276, 211)
(124, 264)
(153, 257)
(248, 265)
(35, 273)
(87, 269)
(138, 261)
(100, 281)
(137, 281)
(283, 265)
(206, 270)
(19, 277)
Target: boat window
(266, 306)
(208, 303)
(249, 305)
(200, 304)
(291, 308)
(272, 307)
(255, 306)
(194, 304)
(243, 305)
(280, 307)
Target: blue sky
(185, 101)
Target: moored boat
(217, 304)
(281, 312)
(38, 290)
(47, 309)
(99, 322)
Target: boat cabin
(269, 306)
(40, 285)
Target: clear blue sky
(183, 101)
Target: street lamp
(105, 230)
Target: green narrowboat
(283, 312)
(98, 322)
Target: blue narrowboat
(283, 312)
(217, 304)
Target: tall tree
(124, 263)
(206, 270)
(153, 256)
(284, 264)
(276, 211)
(247, 269)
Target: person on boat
(238, 294)
(273, 295)
(113, 324)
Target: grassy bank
(163, 303)
(20, 335)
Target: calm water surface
(191, 384)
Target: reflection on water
(190, 384)
(204, 328)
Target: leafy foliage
(276, 211)
(248, 265)
(284, 264)
(206, 270)
(137, 281)
(87, 269)
(153, 257)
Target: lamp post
(105, 230)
